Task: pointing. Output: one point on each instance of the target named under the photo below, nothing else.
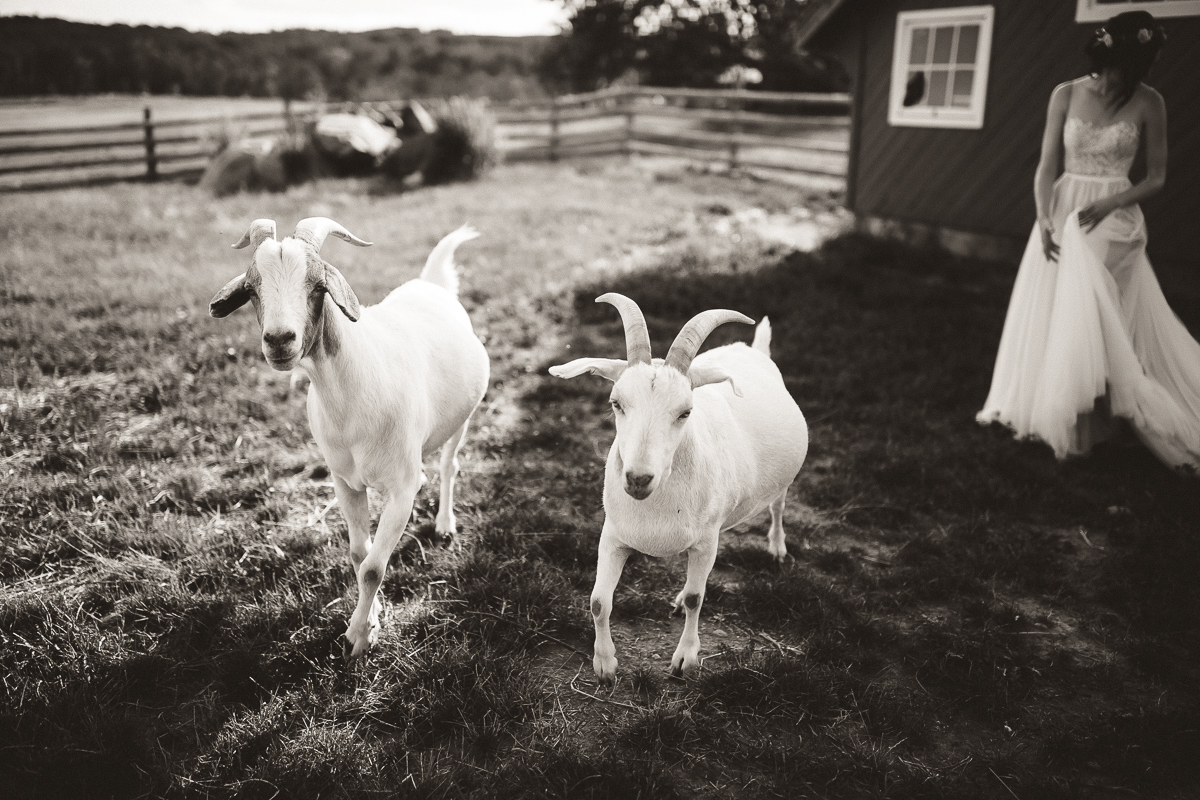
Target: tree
(684, 43)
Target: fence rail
(800, 132)
(794, 131)
(146, 150)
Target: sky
(495, 17)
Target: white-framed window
(1100, 10)
(940, 67)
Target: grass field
(961, 617)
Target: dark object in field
(455, 142)
(353, 144)
(464, 146)
(381, 139)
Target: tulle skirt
(1091, 337)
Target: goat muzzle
(639, 486)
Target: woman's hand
(1049, 247)
(1093, 214)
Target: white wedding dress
(1091, 335)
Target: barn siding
(981, 181)
(1173, 216)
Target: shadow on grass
(889, 352)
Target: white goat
(703, 443)
(391, 383)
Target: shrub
(464, 145)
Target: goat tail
(439, 267)
(762, 337)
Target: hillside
(40, 56)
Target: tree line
(52, 56)
(651, 42)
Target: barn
(955, 165)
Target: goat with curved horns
(704, 442)
(390, 383)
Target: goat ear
(608, 368)
(340, 292)
(703, 376)
(232, 297)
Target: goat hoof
(352, 651)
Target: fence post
(554, 129)
(735, 128)
(628, 100)
(151, 159)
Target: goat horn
(259, 231)
(313, 231)
(637, 336)
(688, 342)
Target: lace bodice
(1099, 150)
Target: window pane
(920, 46)
(964, 80)
(937, 87)
(968, 43)
(943, 39)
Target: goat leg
(363, 630)
(701, 558)
(446, 525)
(609, 566)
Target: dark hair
(1128, 43)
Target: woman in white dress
(1089, 335)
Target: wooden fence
(147, 150)
(796, 132)
(790, 131)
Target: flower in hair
(1106, 37)
(1144, 35)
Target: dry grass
(172, 593)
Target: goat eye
(617, 407)
(685, 415)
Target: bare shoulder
(1149, 99)
(1060, 98)
(1063, 90)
